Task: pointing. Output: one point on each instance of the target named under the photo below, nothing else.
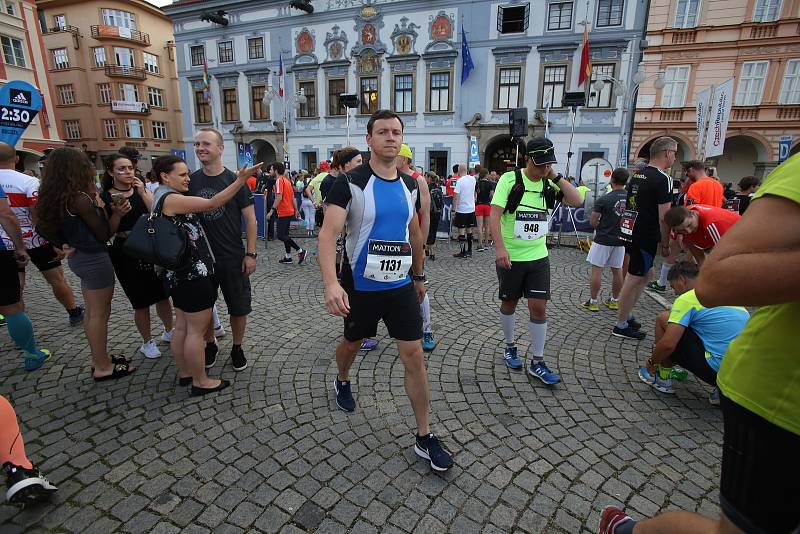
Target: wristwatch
(418, 277)
(558, 178)
(253, 255)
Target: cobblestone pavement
(273, 454)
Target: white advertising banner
(702, 117)
(720, 111)
(128, 107)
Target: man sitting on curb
(691, 335)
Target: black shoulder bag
(157, 240)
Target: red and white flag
(586, 61)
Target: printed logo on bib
(627, 222)
(530, 225)
(387, 261)
(732, 204)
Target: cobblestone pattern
(273, 454)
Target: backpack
(518, 190)
(437, 201)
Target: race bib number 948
(387, 261)
(530, 225)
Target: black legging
(283, 234)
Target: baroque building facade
(406, 55)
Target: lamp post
(296, 100)
(628, 96)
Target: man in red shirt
(450, 183)
(285, 208)
(705, 189)
(701, 226)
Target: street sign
(19, 104)
(784, 146)
(474, 155)
(623, 157)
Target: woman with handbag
(191, 288)
(138, 279)
(70, 211)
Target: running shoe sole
(623, 336)
(30, 491)
(422, 453)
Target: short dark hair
(695, 164)
(455, 168)
(620, 176)
(749, 181)
(279, 167)
(675, 216)
(689, 269)
(382, 114)
(165, 164)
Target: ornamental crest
(404, 37)
(304, 42)
(441, 32)
(335, 44)
(369, 23)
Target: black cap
(540, 150)
(130, 152)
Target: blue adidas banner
(20, 102)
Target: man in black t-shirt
(223, 227)
(642, 227)
(484, 189)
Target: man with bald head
(463, 213)
(22, 191)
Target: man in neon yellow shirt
(756, 263)
(519, 216)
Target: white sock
(662, 279)
(508, 327)
(538, 332)
(592, 301)
(215, 318)
(425, 310)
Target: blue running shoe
(428, 344)
(543, 373)
(512, 360)
(344, 396)
(428, 447)
(369, 344)
(35, 361)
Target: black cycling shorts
(642, 256)
(690, 353)
(43, 257)
(192, 296)
(399, 309)
(10, 292)
(530, 279)
(465, 220)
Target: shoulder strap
(160, 205)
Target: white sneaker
(219, 331)
(166, 337)
(150, 350)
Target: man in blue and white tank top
(376, 205)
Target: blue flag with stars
(466, 58)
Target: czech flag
(586, 62)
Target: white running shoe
(150, 350)
(166, 337)
(219, 331)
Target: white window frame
(673, 95)
(99, 56)
(440, 95)
(562, 4)
(151, 63)
(750, 86)
(609, 25)
(119, 57)
(605, 98)
(60, 53)
(404, 96)
(60, 21)
(155, 97)
(790, 88)
(506, 90)
(110, 128)
(134, 126)
(762, 8)
(219, 52)
(72, 129)
(14, 52)
(66, 94)
(119, 18)
(250, 48)
(160, 127)
(191, 55)
(10, 8)
(687, 14)
(129, 92)
(104, 93)
(556, 101)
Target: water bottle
(679, 373)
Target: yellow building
(113, 76)
(23, 59)
(696, 44)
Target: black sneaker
(76, 316)
(628, 333)
(460, 255)
(633, 324)
(428, 447)
(237, 359)
(344, 396)
(301, 256)
(26, 486)
(211, 354)
(286, 260)
(433, 257)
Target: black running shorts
(10, 289)
(43, 257)
(530, 279)
(192, 296)
(235, 285)
(691, 355)
(760, 484)
(642, 256)
(465, 220)
(399, 309)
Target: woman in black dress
(139, 280)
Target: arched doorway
(263, 152)
(500, 154)
(740, 158)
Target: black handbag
(158, 240)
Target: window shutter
(499, 19)
(527, 16)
